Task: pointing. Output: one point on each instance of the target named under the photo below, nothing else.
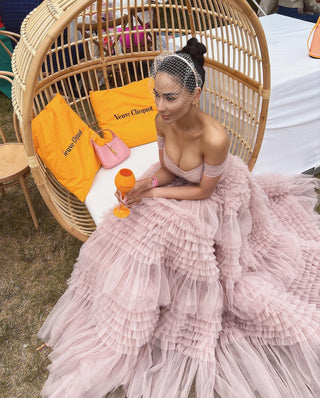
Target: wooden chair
(12, 36)
(236, 90)
(14, 166)
(7, 40)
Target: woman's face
(172, 100)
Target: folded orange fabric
(129, 111)
(63, 142)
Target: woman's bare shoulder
(215, 141)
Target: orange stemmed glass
(125, 181)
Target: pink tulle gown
(222, 294)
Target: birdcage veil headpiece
(179, 66)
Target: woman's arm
(215, 153)
(216, 148)
(163, 177)
(188, 192)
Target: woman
(194, 140)
(307, 10)
(214, 277)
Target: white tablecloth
(291, 142)
(101, 195)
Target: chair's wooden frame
(15, 37)
(13, 158)
(236, 91)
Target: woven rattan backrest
(73, 47)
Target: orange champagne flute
(125, 181)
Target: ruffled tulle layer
(222, 294)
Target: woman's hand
(138, 192)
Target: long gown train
(222, 292)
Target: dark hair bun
(196, 50)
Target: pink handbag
(110, 153)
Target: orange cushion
(63, 142)
(129, 111)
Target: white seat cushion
(101, 195)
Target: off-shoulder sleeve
(215, 171)
(160, 141)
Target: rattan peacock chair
(73, 47)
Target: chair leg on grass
(29, 203)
